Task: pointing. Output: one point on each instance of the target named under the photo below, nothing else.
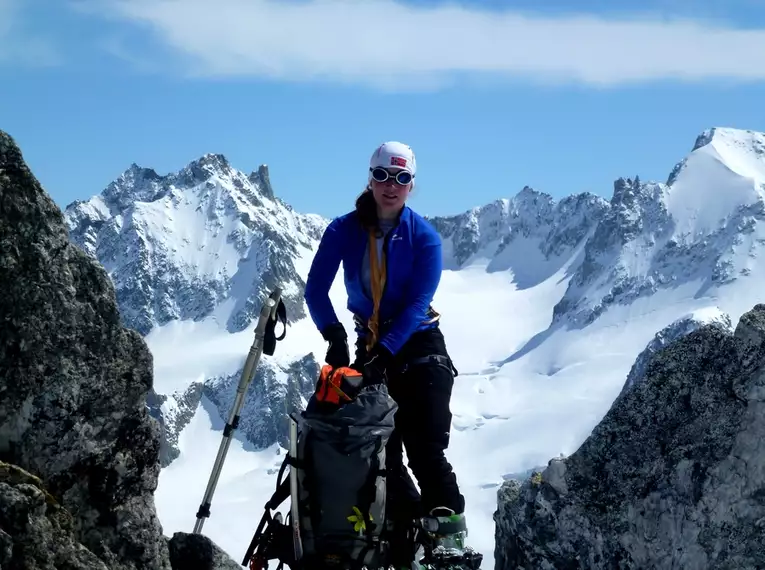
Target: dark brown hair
(366, 209)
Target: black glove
(376, 366)
(337, 353)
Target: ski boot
(446, 547)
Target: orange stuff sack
(338, 385)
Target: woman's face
(390, 195)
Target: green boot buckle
(449, 532)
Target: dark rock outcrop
(672, 477)
(673, 331)
(197, 552)
(35, 531)
(73, 385)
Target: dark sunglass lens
(379, 174)
(403, 177)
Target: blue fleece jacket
(414, 263)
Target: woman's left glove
(337, 353)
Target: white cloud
(17, 45)
(380, 42)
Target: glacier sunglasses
(402, 177)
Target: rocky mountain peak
(636, 207)
(486, 232)
(78, 449)
(743, 151)
(136, 184)
(625, 190)
(704, 138)
(703, 224)
(261, 179)
(744, 139)
(671, 477)
(178, 246)
(73, 383)
(529, 195)
(530, 207)
(203, 168)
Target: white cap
(394, 154)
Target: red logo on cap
(398, 161)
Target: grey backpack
(337, 487)
(341, 484)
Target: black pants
(422, 423)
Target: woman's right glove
(375, 369)
(337, 353)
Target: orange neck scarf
(377, 284)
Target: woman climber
(392, 267)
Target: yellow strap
(377, 283)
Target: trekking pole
(265, 342)
(297, 541)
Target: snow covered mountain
(547, 307)
(530, 234)
(205, 241)
(703, 228)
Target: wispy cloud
(383, 43)
(17, 44)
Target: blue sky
(492, 95)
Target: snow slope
(546, 307)
(726, 172)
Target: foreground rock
(35, 532)
(197, 552)
(669, 334)
(673, 477)
(73, 384)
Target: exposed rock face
(672, 477)
(173, 412)
(671, 333)
(197, 552)
(635, 220)
(35, 532)
(272, 395)
(73, 384)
